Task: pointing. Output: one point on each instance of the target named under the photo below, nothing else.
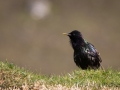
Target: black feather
(85, 54)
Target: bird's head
(76, 38)
(74, 35)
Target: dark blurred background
(31, 32)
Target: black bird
(85, 54)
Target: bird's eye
(74, 34)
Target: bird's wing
(91, 51)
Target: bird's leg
(102, 68)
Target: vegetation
(13, 77)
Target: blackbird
(85, 54)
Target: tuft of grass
(13, 77)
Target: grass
(13, 77)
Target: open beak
(66, 34)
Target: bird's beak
(66, 34)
